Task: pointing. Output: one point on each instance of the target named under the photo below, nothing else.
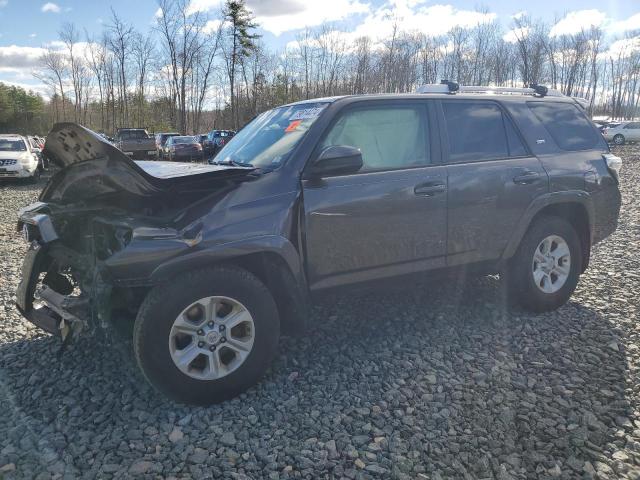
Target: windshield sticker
(293, 125)
(306, 113)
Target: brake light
(614, 164)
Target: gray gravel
(428, 382)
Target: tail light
(614, 164)
(198, 146)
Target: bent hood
(93, 167)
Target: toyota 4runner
(215, 262)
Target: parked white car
(17, 158)
(622, 133)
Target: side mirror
(337, 160)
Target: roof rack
(446, 86)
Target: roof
(12, 136)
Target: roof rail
(446, 86)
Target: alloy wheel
(551, 264)
(211, 338)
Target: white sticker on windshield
(306, 113)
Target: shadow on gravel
(447, 375)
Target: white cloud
(158, 13)
(622, 48)
(519, 15)
(20, 58)
(279, 16)
(200, 6)
(211, 26)
(631, 23)
(50, 7)
(33, 35)
(575, 22)
(301, 14)
(404, 15)
(414, 16)
(512, 36)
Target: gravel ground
(431, 382)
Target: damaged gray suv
(215, 262)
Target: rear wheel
(545, 270)
(619, 139)
(208, 336)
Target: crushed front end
(103, 224)
(65, 287)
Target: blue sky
(28, 25)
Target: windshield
(12, 145)
(268, 140)
(183, 140)
(133, 135)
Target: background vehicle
(37, 147)
(161, 141)
(184, 148)
(216, 139)
(218, 260)
(622, 132)
(18, 159)
(136, 143)
(107, 137)
(201, 139)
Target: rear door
(389, 218)
(492, 178)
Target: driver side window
(389, 137)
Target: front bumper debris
(47, 309)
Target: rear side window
(389, 137)
(480, 131)
(632, 125)
(566, 124)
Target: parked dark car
(219, 260)
(183, 149)
(161, 142)
(216, 140)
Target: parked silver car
(622, 133)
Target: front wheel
(545, 270)
(208, 336)
(619, 139)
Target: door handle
(526, 178)
(429, 189)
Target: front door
(387, 219)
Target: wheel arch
(574, 207)
(272, 259)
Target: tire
(619, 139)
(521, 283)
(163, 306)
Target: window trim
(446, 154)
(432, 134)
(594, 129)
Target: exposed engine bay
(94, 208)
